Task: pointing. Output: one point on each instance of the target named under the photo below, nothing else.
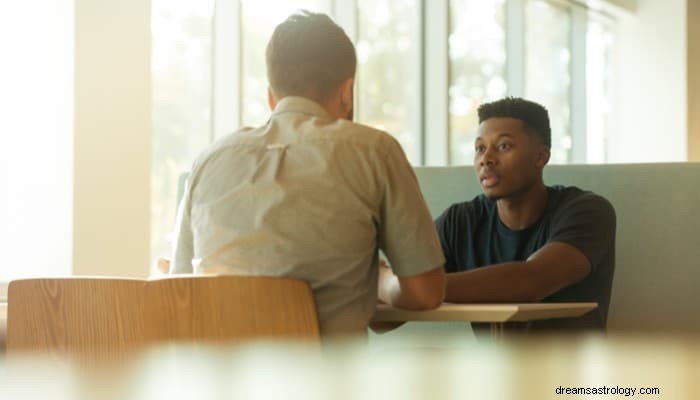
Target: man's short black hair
(532, 114)
(310, 56)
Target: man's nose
(488, 157)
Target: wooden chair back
(114, 316)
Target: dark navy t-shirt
(473, 236)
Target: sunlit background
(391, 52)
(424, 67)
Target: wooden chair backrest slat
(112, 315)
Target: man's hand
(423, 291)
(385, 273)
(163, 265)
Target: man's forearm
(502, 283)
(422, 292)
(390, 292)
(550, 269)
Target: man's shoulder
(567, 194)
(216, 152)
(358, 138)
(353, 132)
(339, 130)
(569, 199)
(223, 143)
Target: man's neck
(524, 209)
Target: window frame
(431, 123)
(432, 74)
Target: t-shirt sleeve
(406, 231)
(587, 223)
(446, 228)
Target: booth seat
(656, 287)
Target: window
(424, 66)
(477, 51)
(389, 59)
(599, 45)
(181, 79)
(547, 67)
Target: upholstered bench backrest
(657, 278)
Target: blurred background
(105, 104)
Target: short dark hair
(533, 115)
(309, 55)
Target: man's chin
(492, 194)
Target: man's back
(306, 196)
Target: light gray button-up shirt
(310, 197)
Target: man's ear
(543, 156)
(347, 96)
(271, 100)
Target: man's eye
(480, 149)
(504, 146)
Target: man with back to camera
(312, 195)
(521, 241)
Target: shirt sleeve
(183, 252)
(587, 223)
(407, 234)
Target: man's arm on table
(417, 292)
(548, 270)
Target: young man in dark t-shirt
(522, 241)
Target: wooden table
(496, 314)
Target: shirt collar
(300, 105)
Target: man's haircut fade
(534, 115)
(309, 56)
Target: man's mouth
(488, 179)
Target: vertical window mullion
(419, 72)
(436, 83)
(515, 47)
(226, 68)
(578, 86)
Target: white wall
(112, 138)
(75, 137)
(650, 89)
(36, 130)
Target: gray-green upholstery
(657, 277)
